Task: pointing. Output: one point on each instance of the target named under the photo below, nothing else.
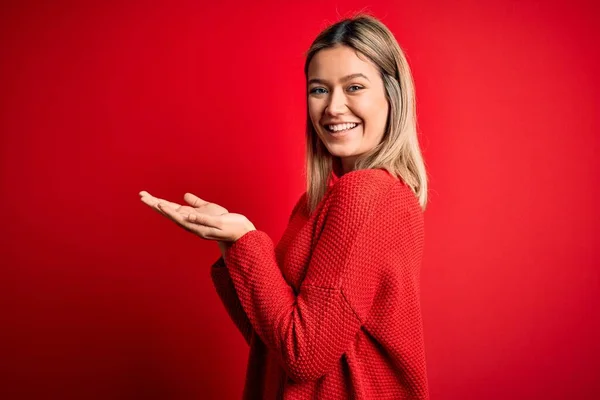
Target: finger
(149, 200)
(153, 204)
(174, 206)
(170, 211)
(176, 216)
(194, 200)
(213, 221)
(155, 201)
(146, 195)
(204, 231)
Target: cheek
(374, 112)
(381, 114)
(314, 111)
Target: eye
(356, 88)
(318, 90)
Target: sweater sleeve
(309, 331)
(226, 290)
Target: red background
(103, 298)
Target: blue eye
(316, 90)
(355, 86)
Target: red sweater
(332, 311)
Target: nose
(337, 103)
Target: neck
(346, 164)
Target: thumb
(194, 200)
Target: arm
(226, 290)
(310, 331)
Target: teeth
(340, 127)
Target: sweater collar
(335, 175)
(332, 179)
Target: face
(346, 102)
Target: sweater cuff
(233, 252)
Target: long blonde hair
(398, 152)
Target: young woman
(333, 310)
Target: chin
(343, 154)
(343, 150)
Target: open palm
(208, 220)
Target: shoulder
(362, 189)
(375, 192)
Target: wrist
(224, 246)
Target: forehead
(339, 61)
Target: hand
(207, 220)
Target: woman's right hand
(195, 203)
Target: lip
(342, 134)
(339, 122)
(335, 123)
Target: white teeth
(341, 127)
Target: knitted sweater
(332, 311)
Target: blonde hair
(398, 152)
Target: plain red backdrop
(103, 298)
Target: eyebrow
(344, 79)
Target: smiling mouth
(341, 128)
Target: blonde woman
(332, 311)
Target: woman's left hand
(227, 227)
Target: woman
(333, 310)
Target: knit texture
(332, 311)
